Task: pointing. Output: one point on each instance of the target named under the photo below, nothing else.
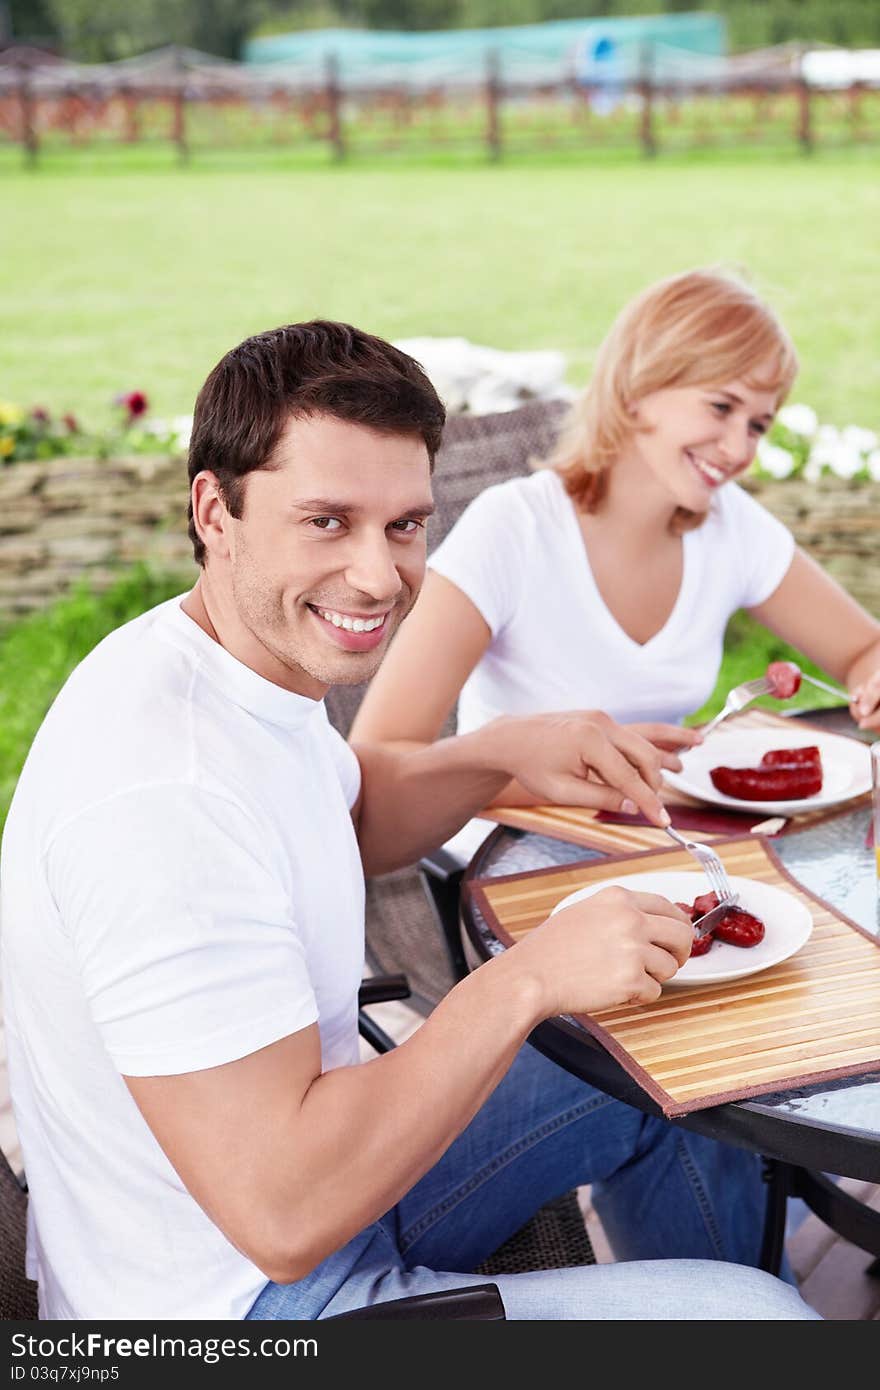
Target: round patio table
(833, 1127)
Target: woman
(606, 580)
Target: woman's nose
(737, 444)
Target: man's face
(329, 554)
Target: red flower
(135, 402)
(71, 423)
(40, 414)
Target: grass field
(119, 271)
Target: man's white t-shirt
(181, 886)
(518, 554)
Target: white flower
(813, 469)
(873, 463)
(181, 427)
(833, 453)
(863, 441)
(776, 461)
(800, 419)
(827, 434)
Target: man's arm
(291, 1164)
(413, 798)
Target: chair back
(18, 1294)
(477, 451)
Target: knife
(709, 920)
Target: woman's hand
(864, 702)
(668, 738)
(580, 758)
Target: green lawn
(114, 277)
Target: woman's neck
(634, 503)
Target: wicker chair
(18, 1294)
(412, 915)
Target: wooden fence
(498, 116)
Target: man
(183, 925)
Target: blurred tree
(412, 14)
(101, 30)
(30, 21)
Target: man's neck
(235, 637)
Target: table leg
(778, 1177)
(855, 1221)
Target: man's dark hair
(302, 369)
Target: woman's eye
(326, 523)
(721, 406)
(408, 526)
(757, 427)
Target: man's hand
(581, 758)
(616, 947)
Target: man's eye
(326, 523)
(408, 526)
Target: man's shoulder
(120, 718)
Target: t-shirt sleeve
(479, 556)
(183, 932)
(763, 546)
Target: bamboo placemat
(581, 826)
(813, 1017)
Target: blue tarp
(593, 50)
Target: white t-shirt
(518, 554)
(181, 886)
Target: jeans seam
(692, 1174)
(433, 1215)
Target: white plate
(846, 768)
(787, 921)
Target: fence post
(132, 117)
(28, 129)
(334, 107)
(178, 107)
(646, 89)
(804, 120)
(493, 96)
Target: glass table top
(832, 861)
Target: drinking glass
(875, 785)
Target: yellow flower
(10, 414)
(6, 446)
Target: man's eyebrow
(327, 506)
(732, 396)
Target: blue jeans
(667, 1198)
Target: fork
(739, 697)
(713, 869)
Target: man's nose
(371, 569)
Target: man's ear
(210, 514)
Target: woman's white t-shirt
(518, 554)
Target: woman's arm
(813, 613)
(420, 680)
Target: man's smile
(351, 631)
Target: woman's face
(694, 439)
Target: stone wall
(68, 517)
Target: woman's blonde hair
(704, 327)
